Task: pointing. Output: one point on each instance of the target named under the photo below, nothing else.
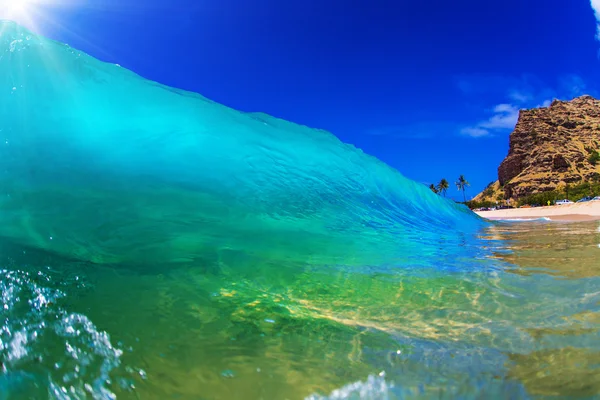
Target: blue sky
(432, 88)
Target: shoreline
(577, 212)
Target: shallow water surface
(513, 314)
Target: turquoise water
(102, 165)
(155, 244)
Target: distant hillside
(551, 147)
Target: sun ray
(37, 16)
(18, 11)
(25, 12)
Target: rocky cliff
(551, 147)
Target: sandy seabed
(588, 211)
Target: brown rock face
(552, 145)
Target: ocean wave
(136, 172)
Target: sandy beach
(588, 211)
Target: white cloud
(503, 108)
(596, 6)
(520, 97)
(475, 131)
(505, 117)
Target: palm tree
(443, 186)
(433, 188)
(462, 184)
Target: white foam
(31, 319)
(524, 219)
(17, 347)
(374, 388)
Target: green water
(523, 324)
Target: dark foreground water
(522, 321)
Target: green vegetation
(594, 156)
(573, 193)
(462, 184)
(472, 204)
(443, 186)
(542, 198)
(489, 190)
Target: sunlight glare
(18, 6)
(30, 12)
(16, 10)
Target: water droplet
(228, 374)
